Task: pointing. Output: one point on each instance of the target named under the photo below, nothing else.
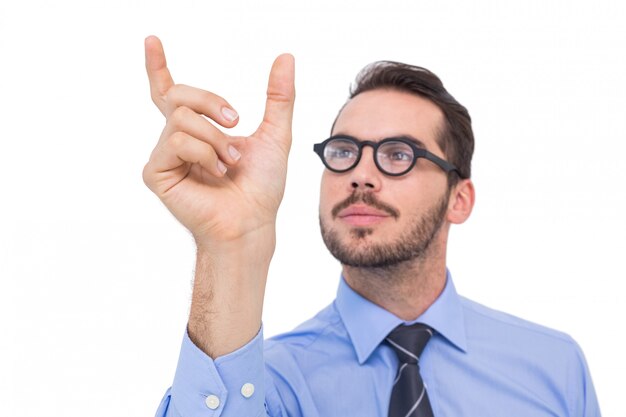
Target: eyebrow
(409, 138)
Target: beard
(411, 245)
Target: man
(398, 340)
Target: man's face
(369, 219)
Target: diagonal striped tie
(408, 396)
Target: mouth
(362, 215)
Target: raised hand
(226, 190)
(220, 187)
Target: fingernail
(234, 153)
(229, 114)
(221, 167)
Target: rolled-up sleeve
(230, 385)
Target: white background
(95, 273)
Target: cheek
(330, 194)
(325, 192)
(412, 197)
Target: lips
(362, 215)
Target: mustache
(366, 198)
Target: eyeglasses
(392, 156)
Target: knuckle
(179, 115)
(177, 139)
(146, 175)
(172, 93)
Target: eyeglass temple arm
(445, 165)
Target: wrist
(259, 237)
(228, 291)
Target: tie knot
(409, 341)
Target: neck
(406, 289)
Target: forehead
(378, 114)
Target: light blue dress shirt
(479, 363)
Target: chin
(361, 233)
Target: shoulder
(496, 337)
(324, 325)
(480, 317)
(296, 356)
(534, 356)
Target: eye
(341, 149)
(340, 153)
(397, 152)
(400, 156)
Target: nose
(365, 176)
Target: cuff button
(247, 390)
(212, 401)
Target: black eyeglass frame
(418, 152)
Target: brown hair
(456, 138)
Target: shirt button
(212, 402)
(247, 390)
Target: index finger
(158, 74)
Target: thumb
(281, 94)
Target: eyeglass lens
(392, 157)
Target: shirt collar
(368, 324)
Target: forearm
(228, 292)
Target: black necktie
(408, 396)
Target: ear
(461, 201)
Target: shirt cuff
(231, 384)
